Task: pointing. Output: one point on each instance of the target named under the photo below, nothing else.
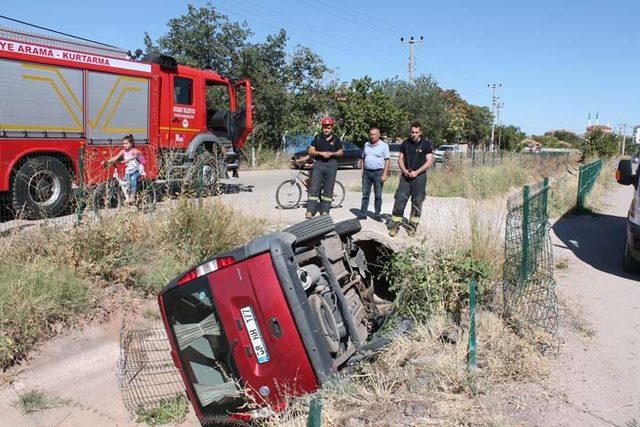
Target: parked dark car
(277, 317)
(351, 158)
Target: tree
(363, 104)
(479, 128)
(510, 137)
(601, 144)
(202, 38)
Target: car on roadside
(275, 318)
(394, 153)
(352, 155)
(440, 153)
(631, 255)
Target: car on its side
(351, 158)
(394, 153)
(275, 318)
(631, 255)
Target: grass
(50, 276)
(171, 411)
(424, 379)
(37, 400)
(36, 295)
(267, 158)
(480, 183)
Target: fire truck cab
(64, 99)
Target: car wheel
(311, 228)
(348, 227)
(629, 263)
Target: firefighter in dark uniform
(414, 159)
(324, 149)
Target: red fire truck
(61, 94)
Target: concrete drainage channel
(335, 298)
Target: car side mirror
(624, 173)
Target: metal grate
(146, 373)
(529, 286)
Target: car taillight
(206, 268)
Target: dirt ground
(595, 378)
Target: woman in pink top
(133, 169)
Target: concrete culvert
(378, 254)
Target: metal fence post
(81, 191)
(545, 198)
(525, 232)
(580, 201)
(472, 359)
(473, 156)
(484, 155)
(315, 413)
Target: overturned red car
(272, 319)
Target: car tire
(30, 185)
(629, 263)
(348, 227)
(311, 228)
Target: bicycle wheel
(338, 195)
(147, 196)
(288, 194)
(106, 195)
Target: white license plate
(254, 334)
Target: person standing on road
(375, 169)
(414, 159)
(324, 149)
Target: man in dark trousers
(375, 169)
(324, 149)
(414, 159)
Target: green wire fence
(586, 180)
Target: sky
(557, 61)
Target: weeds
(431, 282)
(37, 400)
(48, 275)
(170, 411)
(34, 297)
(479, 183)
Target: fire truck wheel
(206, 171)
(41, 188)
(311, 228)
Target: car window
(395, 148)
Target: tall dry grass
(51, 275)
(423, 379)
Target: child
(134, 168)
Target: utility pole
(411, 41)
(494, 99)
(499, 106)
(624, 137)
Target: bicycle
(289, 192)
(114, 191)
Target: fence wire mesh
(586, 181)
(529, 286)
(146, 373)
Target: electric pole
(624, 137)
(494, 99)
(499, 106)
(411, 41)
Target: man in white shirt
(375, 170)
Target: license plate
(254, 334)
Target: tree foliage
(599, 143)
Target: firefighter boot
(394, 226)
